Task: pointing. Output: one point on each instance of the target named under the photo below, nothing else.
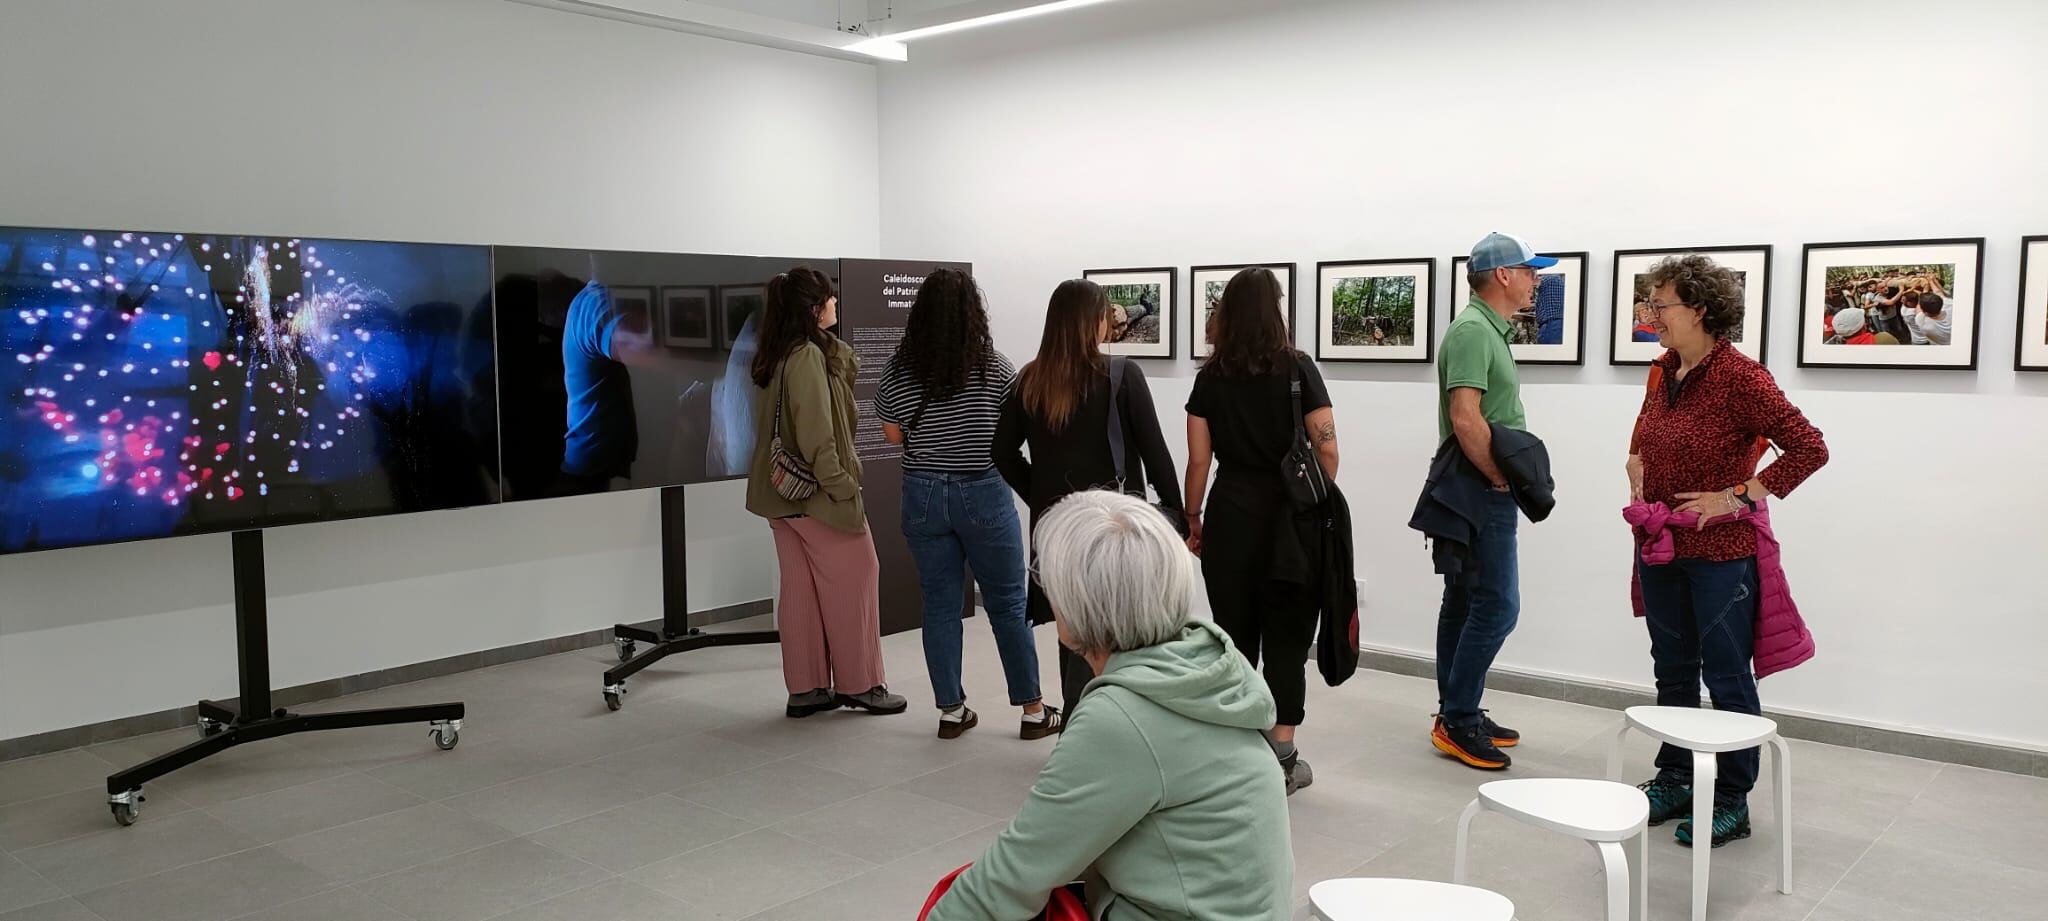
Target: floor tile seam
(80, 895)
(1998, 861)
(756, 826)
(373, 896)
(614, 878)
(313, 895)
(63, 898)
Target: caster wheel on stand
(614, 696)
(210, 728)
(627, 649)
(127, 807)
(447, 734)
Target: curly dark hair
(946, 341)
(1251, 337)
(1705, 286)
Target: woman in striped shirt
(939, 398)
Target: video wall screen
(625, 370)
(160, 384)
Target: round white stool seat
(1594, 810)
(1374, 899)
(1702, 730)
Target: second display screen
(622, 370)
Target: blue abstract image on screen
(159, 384)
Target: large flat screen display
(159, 384)
(625, 370)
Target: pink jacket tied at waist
(1782, 640)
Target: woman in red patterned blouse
(1706, 417)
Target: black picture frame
(1169, 330)
(729, 328)
(1425, 308)
(1197, 318)
(1584, 260)
(1976, 301)
(2021, 331)
(1763, 330)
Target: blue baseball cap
(1503, 251)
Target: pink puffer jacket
(1782, 639)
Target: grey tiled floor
(699, 801)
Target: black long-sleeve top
(1077, 457)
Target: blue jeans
(1702, 620)
(1479, 612)
(954, 521)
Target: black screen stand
(221, 728)
(675, 634)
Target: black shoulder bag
(1300, 468)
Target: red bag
(1063, 907)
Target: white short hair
(1114, 571)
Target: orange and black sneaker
(1501, 736)
(1469, 745)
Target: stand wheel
(446, 734)
(627, 649)
(210, 728)
(612, 701)
(127, 808)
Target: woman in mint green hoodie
(1162, 792)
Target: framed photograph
(1897, 304)
(1553, 332)
(736, 303)
(1635, 341)
(1208, 282)
(2032, 352)
(1140, 310)
(635, 301)
(686, 318)
(1375, 310)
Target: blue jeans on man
(1702, 620)
(1479, 611)
(955, 522)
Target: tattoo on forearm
(1326, 433)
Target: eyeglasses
(1650, 309)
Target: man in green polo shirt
(1479, 389)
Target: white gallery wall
(1182, 132)
(470, 121)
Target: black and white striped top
(952, 436)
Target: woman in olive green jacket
(829, 609)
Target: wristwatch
(1741, 493)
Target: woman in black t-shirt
(1060, 407)
(1259, 556)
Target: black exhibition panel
(164, 384)
(627, 370)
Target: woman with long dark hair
(805, 479)
(939, 399)
(1060, 406)
(1254, 542)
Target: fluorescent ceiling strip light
(988, 20)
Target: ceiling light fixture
(890, 46)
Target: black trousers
(1265, 618)
(1075, 673)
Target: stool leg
(1781, 778)
(1614, 752)
(1643, 874)
(1703, 775)
(1614, 869)
(1464, 839)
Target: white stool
(1708, 733)
(1405, 900)
(1599, 812)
